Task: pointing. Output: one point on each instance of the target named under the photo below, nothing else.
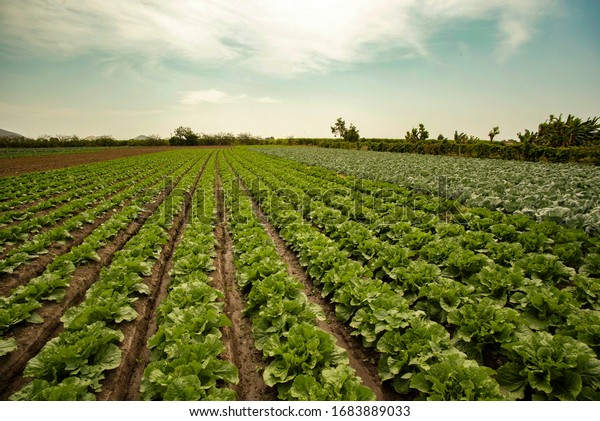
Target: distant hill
(141, 137)
(6, 133)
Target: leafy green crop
(85, 353)
(484, 323)
(7, 345)
(283, 320)
(483, 274)
(387, 312)
(545, 267)
(455, 378)
(543, 306)
(307, 349)
(192, 371)
(464, 263)
(584, 325)
(332, 384)
(550, 367)
(407, 352)
(497, 282)
(439, 298)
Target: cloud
(212, 96)
(282, 37)
(513, 35)
(215, 96)
(268, 100)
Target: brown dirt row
(361, 359)
(238, 339)
(32, 337)
(38, 264)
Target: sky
(291, 67)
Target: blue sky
(291, 67)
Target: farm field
(26, 152)
(565, 193)
(21, 160)
(224, 274)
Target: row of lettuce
(483, 300)
(186, 361)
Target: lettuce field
(300, 274)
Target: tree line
(182, 136)
(554, 132)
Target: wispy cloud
(212, 96)
(215, 96)
(282, 37)
(268, 100)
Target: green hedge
(477, 149)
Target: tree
(184, 136)
(348, 134)
(417, 134)
(351, 134)
(493, 133)
(339, 128)
(460, 137)
(571, 132)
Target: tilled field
(226, 274)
